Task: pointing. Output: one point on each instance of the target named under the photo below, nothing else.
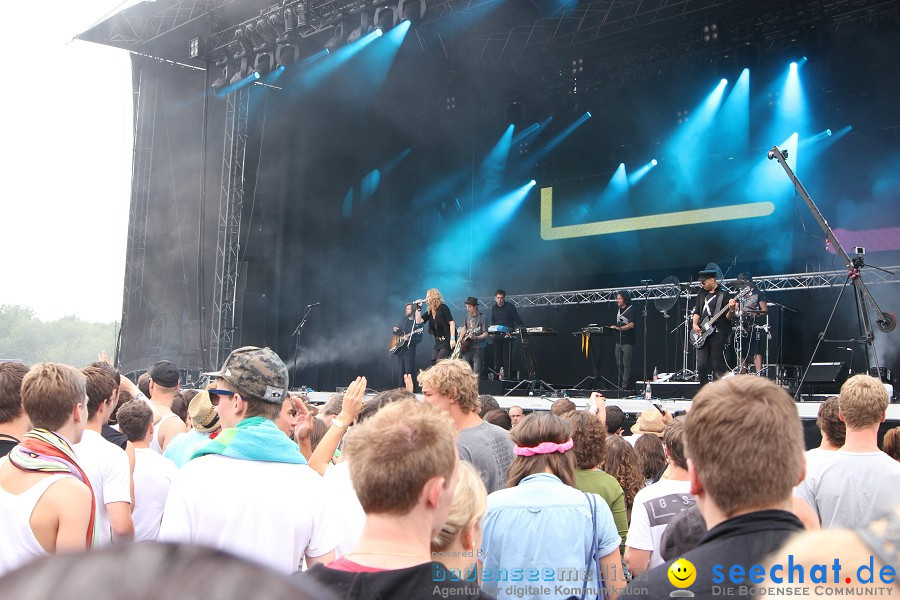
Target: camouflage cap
(255, 372)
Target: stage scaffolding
(768, 283)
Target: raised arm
(350, 408)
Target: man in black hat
(711, 320)
(164, 380)
(473, 337)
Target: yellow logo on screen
(731, 212)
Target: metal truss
(619, 37)
(771, 283)
(231, 204)
(131, 28)
(144, 127)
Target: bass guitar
(398, 342)
(706, 324)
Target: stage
(296, 182)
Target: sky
(66, 162)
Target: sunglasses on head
(214, 395)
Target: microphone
(311, 305)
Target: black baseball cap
(164, 373)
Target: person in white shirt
(657, 504)
(858, 482)
(834, 432)
(105, 463)
(163, 388)
(250, 491)
(153, 474)
(45, 498)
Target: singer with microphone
(440, 324)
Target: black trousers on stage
(406, 362)
(503, 354)
(711, 357)
(441, 350)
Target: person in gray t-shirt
(859, 482)
(490, 449)
(451, 386)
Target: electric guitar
(398, 342)
(463, 345)
(706, 324)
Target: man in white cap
(250, 491)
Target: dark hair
(501, 292)
(891, 443)
(124, 398)
(615, 419)
(590, 439)
(185, 571)
(531, 431)
(143, 384)
(499, 417)
(829, 421)
(625, 296)
(11, 375)
(651, 456)
(135, 419)
(180, 405)
(100, 387)
(382, 399)
(673, 437)
(488, 403)
(109, 369)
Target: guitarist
(473, 337)
(406, 355)
(710, 301)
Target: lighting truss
(769, 283)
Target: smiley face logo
(682, 573)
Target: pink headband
(544, 448)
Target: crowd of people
(245, 488)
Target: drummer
(753, 312)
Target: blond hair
(745, 440)
(434, 300)
(469, 505)
(862, 402)
(49, 393)
(396, 451)
(454, 379)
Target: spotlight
(723, 82)
(379, 31)
(654, 162)
(407, 10)
(533, 182)
(385, 18)
(793, 66)
(286, 55)
(828, 132)
(338, 37)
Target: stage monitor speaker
(492, 387)
(826, 377)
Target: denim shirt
(537, 535)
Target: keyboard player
(624, 328)
(505, 314)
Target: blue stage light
(379, 31)
(588, 113)
(533, 182)
(654, 162)
(828, 132)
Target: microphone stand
(646, 283)
(298, 332)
